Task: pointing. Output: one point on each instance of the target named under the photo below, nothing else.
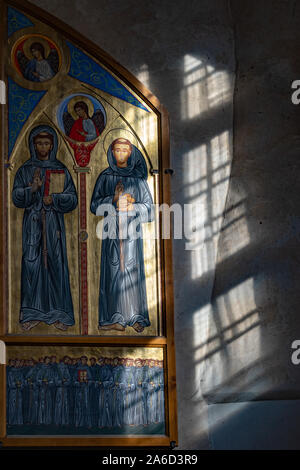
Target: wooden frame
(167, 340)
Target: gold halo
(27, 44)
(119, 133)
(77, 98)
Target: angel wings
(38, 69)
(84, 129)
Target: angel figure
(84, 128)
(40, 68)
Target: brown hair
(120, 140)
(82, 105)
(43, 135)
(39, 47)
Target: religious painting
(98, 140)
(36, 58)
(85, 391)
(59, 187)
(44, 189)
(86, 280)
(122, 293)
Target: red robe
(77, 128)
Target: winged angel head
(82, 122)
(37, 60)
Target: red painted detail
(82, 201)
(82, 152)
(47, 180)
(84, 288)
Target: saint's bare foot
(60, 326)
(114, 326)
(29, 325)
(138, 327)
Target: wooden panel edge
(2, 401)
(169, 290)
(84, 441)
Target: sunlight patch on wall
(204, 88)
(143, 75)
(233, 341)
(195, 172)
(235, 230)
(206, 178)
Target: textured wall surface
(236, 292)
(255, 300)
(256, 295)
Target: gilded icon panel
(82, 155)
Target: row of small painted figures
(110, 392)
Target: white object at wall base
(2, 353)
(2, 92)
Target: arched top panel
(67, 55)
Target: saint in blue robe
(118, 396)
(33, 403)
(15, 381)
(45, 380)
(62, 400)
(157, 393)
(82, 415)
(140, 397)
(122, 297)
(72, 393)
(94, 394)
(129, 412)
(25, 394)
(147, 391)
(105, 396)
(45, 290)
(161, 396)
(152, 395)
